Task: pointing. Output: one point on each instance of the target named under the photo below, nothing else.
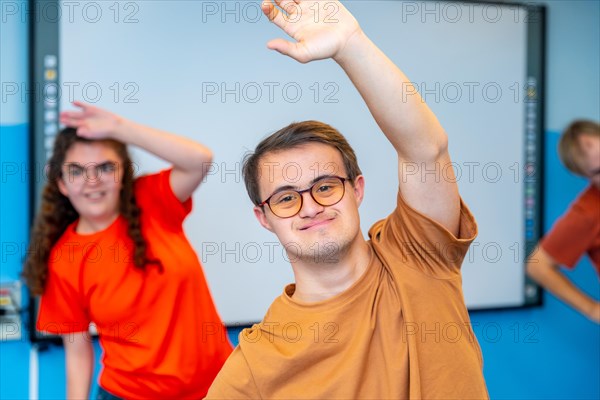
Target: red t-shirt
(160, 331)
(577, 231)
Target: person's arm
(79, 355)
(400, 112)
(190, 159)
(545, 271)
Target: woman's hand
(92, 122)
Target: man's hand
(321, 28)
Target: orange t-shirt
(577, 231)
(160, 331)
(401, 331)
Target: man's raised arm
(326, 29)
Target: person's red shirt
(160, 331)
(577, 232)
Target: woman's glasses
(75, 173)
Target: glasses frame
(97, 174)
(301, 193)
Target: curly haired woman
(110, 249)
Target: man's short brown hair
(293, 136)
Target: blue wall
(547, 352)
(14, 193)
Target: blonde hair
(569, 149)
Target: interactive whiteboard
(201, 69)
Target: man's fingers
(290, 7)
(269, 9)
(287, 48)
(282, 13)
(274, 14)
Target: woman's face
(92, 178)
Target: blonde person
(577, 231)
(364, 319)
(109, 248)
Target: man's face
(317, 234)
(590, 162)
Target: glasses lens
(328, 191)
(285, 204)
(73, 172)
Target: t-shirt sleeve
(410, 238)
(571, 236)
(155, 196)
(235, 380)
(61, 308)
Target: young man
(578, 231)
(378, 319)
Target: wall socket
(10, 311)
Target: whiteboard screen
(201, 69)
